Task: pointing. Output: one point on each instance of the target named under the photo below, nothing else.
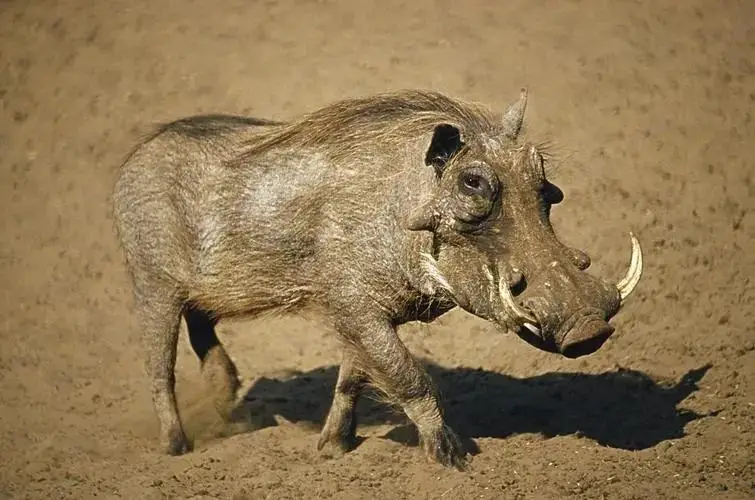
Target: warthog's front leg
(390, 367)
(341, 424)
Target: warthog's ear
(445, 143)
(514, 115)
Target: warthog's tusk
(532, 328)
(511, 308)
(628, 283)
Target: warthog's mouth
(581, 335)
(584, 332)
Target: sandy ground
(651, 107)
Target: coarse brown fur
(346, 127)
(373, 211)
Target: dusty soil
(650, 106)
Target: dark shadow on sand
(624, 408)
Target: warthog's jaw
(585, 329)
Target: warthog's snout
(566, 310)
(586, 337)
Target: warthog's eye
(473, 184)
(476, 196)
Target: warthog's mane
(341, 128)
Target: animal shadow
(624, 408)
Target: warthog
(375, 212)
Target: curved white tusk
(511, 307)
(628, 283)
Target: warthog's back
(180, 202)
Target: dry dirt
(650, 105)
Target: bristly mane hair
(343, 126)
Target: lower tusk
(532, 328)
(628, 283)
(510, 306)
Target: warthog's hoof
(444, 447)
(176, 443)
(341, 437)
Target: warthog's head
(495, 251)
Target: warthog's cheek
(460, 272)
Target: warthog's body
(375, 212)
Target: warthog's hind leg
(218, 370)
(158, 305)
